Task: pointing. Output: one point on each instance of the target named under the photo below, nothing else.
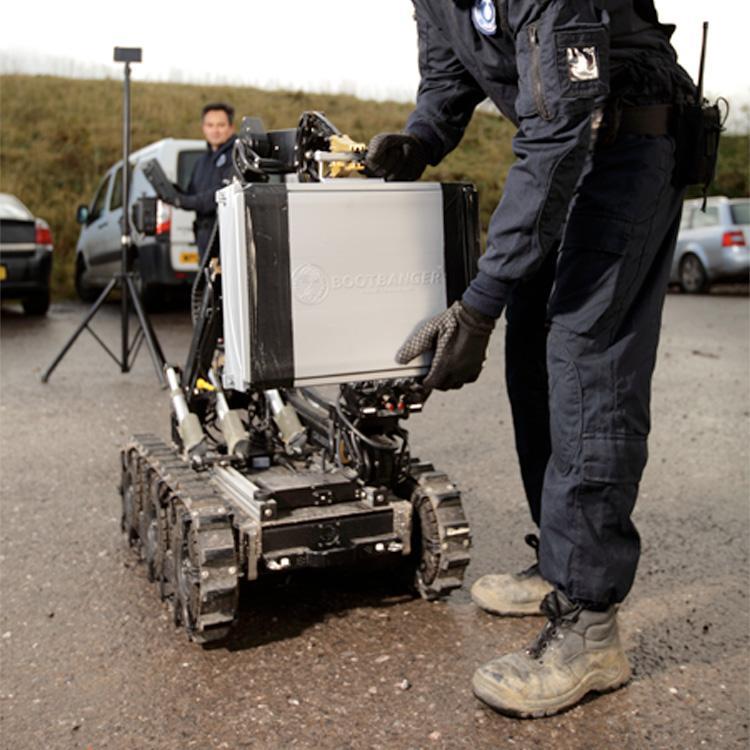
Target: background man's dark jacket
(209, 174)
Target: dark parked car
(25, 256)
(713, 244)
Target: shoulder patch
(484, 17)
(583, 63)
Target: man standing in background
(210, 171)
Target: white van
(168, 259)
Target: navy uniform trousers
(581, 342)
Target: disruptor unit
(287, 447)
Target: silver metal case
(323, 282)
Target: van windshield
(741, 212)
(185, 163)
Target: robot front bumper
(289, 522)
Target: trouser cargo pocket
(614, 459)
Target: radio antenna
(703, 62)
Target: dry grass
(58, 136)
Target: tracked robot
(288, 449)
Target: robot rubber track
(189, 536)
(181, 527)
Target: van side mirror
(143, 215)
(82, 214)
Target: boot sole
(596, 683)
(513, 609)
(519, 611)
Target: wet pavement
(90, 659)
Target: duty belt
(646, 119)
(650, 119)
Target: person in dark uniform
(578, 257)
(210, 171)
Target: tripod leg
(157, 357)
(90, 314)
(124, 315)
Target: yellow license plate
(3, 273)
(188, 257)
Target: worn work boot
(515, 594)
(577, 651)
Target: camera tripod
(125, 279)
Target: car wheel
(86, 292)
(37, 303)
(693, 276)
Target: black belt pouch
(696, 130)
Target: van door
(111, 235)
(105, 244)
(184, 250)
(91, 240)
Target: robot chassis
(263, 481)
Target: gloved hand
(166, 190)
(459, 338)
(396, 157)
(172, 195)
(176, 198)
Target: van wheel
(86, 292)
(693, 277)
(37, 303)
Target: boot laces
(559, 612)
(533, 570)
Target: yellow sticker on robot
(3, 273)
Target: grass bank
(58, 136)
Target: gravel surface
(90, 659)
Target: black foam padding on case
(269, 293)
(461, 237)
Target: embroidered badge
(221, 161)
(484, 16)
(582, 64)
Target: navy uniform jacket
(208, 176)
(549, 66)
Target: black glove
(396, 157)
(459, 338)
(177, 199)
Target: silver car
(712, 246)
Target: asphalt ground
(90, 659)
